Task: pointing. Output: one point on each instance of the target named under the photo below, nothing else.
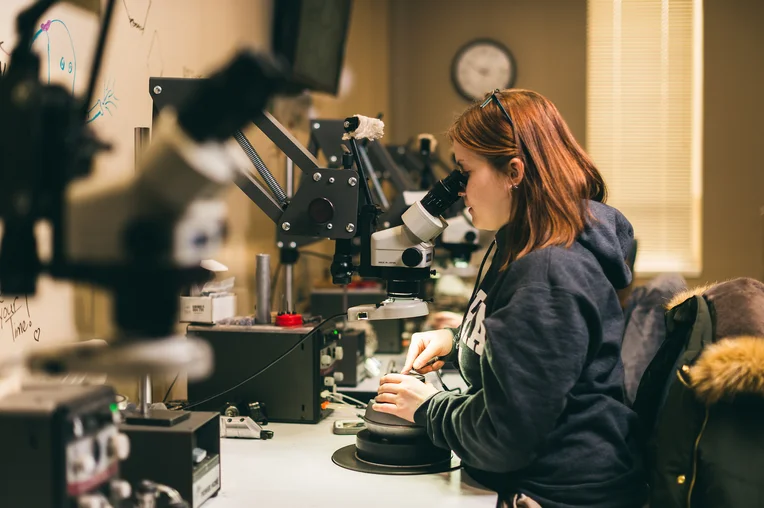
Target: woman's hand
(424, 347)
(401, 395)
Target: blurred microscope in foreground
(151, 230)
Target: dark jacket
(701, 400)
(540, 347)
(646, 327)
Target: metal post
(142, 140)
(289, 177)
(144, 394)
(263, 279)
(288, 283)
(289, 268)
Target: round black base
(372, 454)
(345, 457)
(403, 451)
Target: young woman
(544, 421)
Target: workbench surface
(295, 469)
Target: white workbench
(295, 469)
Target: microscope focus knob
(411, 257)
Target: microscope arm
(383, 161)
(325, 204)
(287, 143)
(255, 191)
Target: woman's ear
(516, 171)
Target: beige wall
(548, 40)
(733, 176)
(364, 90)
(546, 37)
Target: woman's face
(487, 195)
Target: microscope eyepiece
(445, 193)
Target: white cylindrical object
(119, 446)
(175, 169)
(423, 225)
(368, 128)
(339, 353)
(263, 279)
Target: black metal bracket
(326, 137)
(326, 202)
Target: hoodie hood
(610, 237)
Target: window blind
(644, 123)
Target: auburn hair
(549, 206)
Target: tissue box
(207, 309)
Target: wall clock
(481, 66)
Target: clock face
(482, 66)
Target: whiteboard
(171, 38)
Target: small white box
(206, 309)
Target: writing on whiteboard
(59, 63)
(16, 319)
(107, 102)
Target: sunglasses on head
(495, 98)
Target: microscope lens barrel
(445, 193)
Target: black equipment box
(59, 442)
(329, 301)
(290, 390)
(164, 455)
(351, 365)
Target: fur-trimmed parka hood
(734, 364)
